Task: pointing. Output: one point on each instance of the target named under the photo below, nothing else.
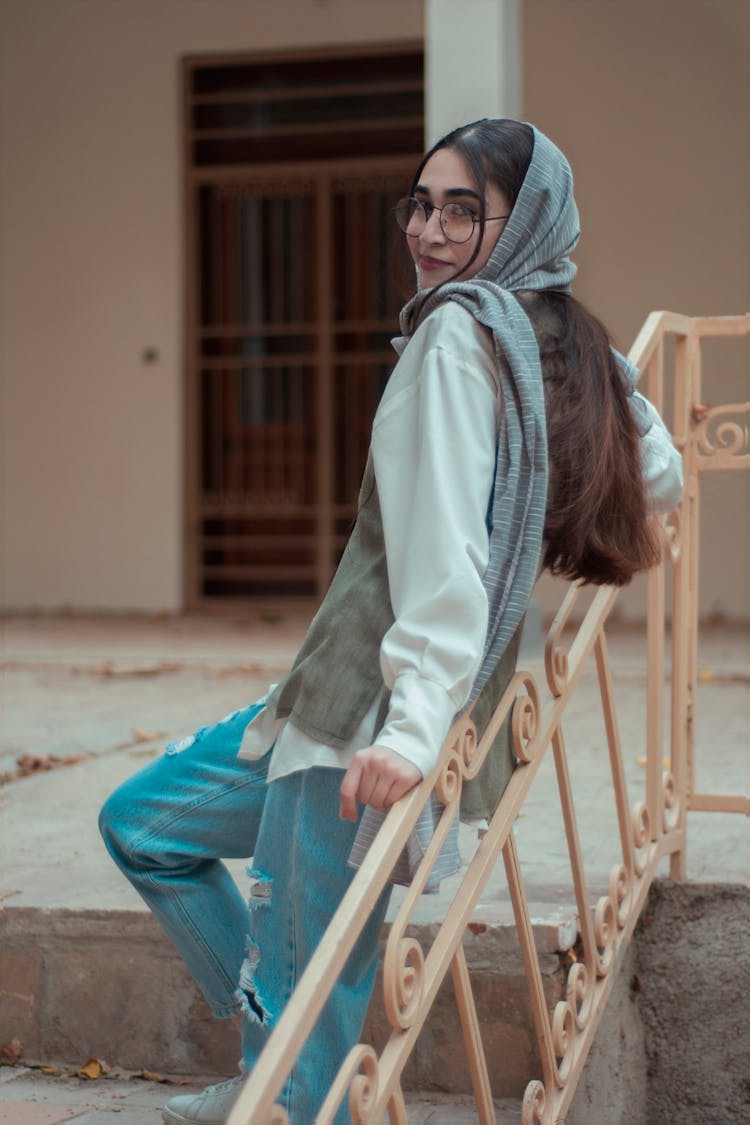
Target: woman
(508, 437)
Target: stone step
(108, 984)
(75, 985)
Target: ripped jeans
(169, 827)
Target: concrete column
(473, 69)
(473, 62)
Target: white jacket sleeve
(661, 462)
(434, 457)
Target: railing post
(655, 642)
(693, 393)
(684, 598)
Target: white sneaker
(212, 1107)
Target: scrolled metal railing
(710, 438)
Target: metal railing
(710, 438)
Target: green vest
(336, 675)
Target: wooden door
(298, 301)
(293, 164)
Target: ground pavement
(95, 698)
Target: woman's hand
(377, 777)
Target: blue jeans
(169, 827)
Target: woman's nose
(433, 230)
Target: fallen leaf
(152, 1076)
(111, 670)
(99, 1069)
(709, 676)
(11, 1052)
(34, 763)
(29, 764)
(477, 927)
(141, 737)
(666, 762)
(94, 1068)
(146, 735)
(250, 669)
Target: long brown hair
(597, 527)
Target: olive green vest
(336, 676)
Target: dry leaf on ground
(12, 1051)
(146, 735)
(110, 670)
(29, 764)
(94, 1068)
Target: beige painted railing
(710, 439)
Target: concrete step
(108, 984)
(673, 1039)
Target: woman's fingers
(348, 792)
(377, 777)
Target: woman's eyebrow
(449, 193)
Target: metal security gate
(293, 295)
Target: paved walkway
(105, 694)
(28, 1099)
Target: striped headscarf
(531, 253)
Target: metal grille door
(293, 294)
(297, 307)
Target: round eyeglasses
(457, 221)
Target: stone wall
(693, 963)
(674, 1044)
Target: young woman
(508, 438)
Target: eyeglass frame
(433, 207)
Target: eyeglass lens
(456, 222)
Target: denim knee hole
(251, 1004)
(260, 889)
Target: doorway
(294, 165)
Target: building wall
(91, 229)
(650, 101)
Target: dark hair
(597, 526)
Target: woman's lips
(426, 263)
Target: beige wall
(649, 99)
(91, 236)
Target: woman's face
(446, 178)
